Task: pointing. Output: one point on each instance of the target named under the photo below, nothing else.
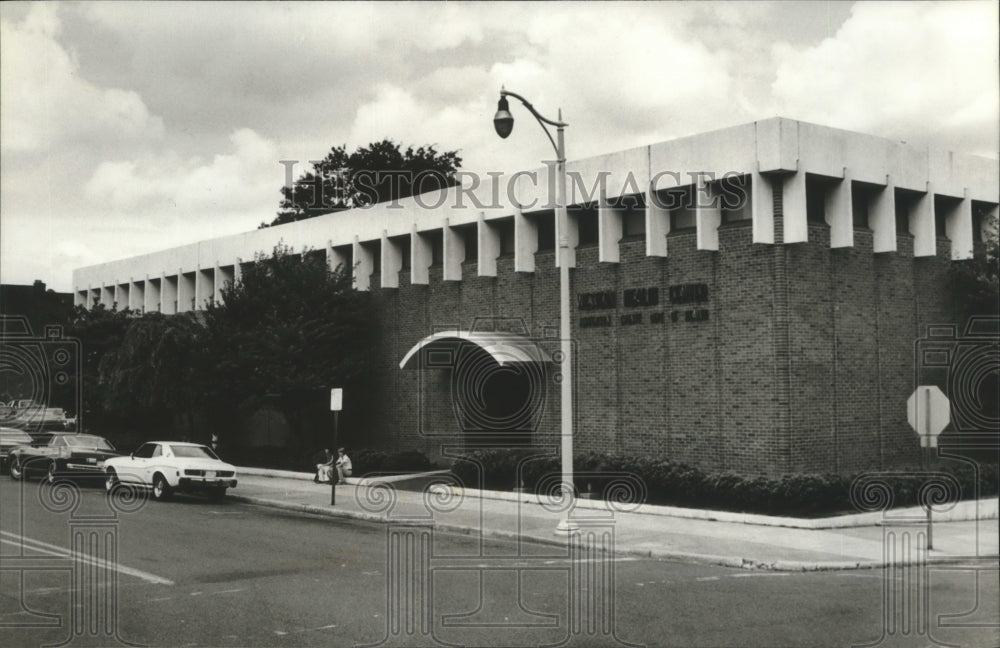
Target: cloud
(244, 179)
(907, 70)
(46, 104)
(128, 127)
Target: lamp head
(503, 122)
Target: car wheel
(216, 492)
(161, 489)
(110, 480)
(15, 469)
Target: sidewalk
(659, 535)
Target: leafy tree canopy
(372, 174)
(160, 366)
(287, 331)
(975, 283)
(100, 331)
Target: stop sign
(928, 412)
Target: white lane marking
(55, 550)
(707, 578)
(242, 589)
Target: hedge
(657, 481)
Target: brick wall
(804, 363)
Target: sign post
(928, 412)
(336, 404)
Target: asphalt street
(196, 573)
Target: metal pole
(566, 367)
(926, 452)
(333, 482)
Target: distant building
(39, 305)
(28, 313)
(746, 299)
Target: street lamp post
(503, 122)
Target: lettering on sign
(596, 300)
(631, 318)
(595, 321)
(639, 297)
(688, 293)
(656, 318)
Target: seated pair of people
(341, 464)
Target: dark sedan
(61, 455)
(11, 438)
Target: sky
(126, 128)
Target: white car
(169, 466)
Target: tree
(159, 369)
(975, 283)
(286, 332)
(376, 173)
(100, 331)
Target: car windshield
(199, 452)
(88, 441)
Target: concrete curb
(686, 557)
(968, 510)
(350, 481)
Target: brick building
(744, 299)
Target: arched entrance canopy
(504, 348)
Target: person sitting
(324, 471)
(343, 465)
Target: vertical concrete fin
(137, 294)
(657, 225)
(525, 242)
(609, 231)
(391, 262)
(336, 258)
(217, 281)
(794, 201)
(958, 227)
(922, 225)
(364, 265)
(168, 294)
(488, 238)
(707, 216)
(838, 209)
(762, 209)
(882, 218)
(421, 257)
(454, 253)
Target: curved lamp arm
(542, 121)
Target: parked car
(34, 417)
(57, 455)
(11, 438)
(169, 466)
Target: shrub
(367, 461)
(676, 484)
